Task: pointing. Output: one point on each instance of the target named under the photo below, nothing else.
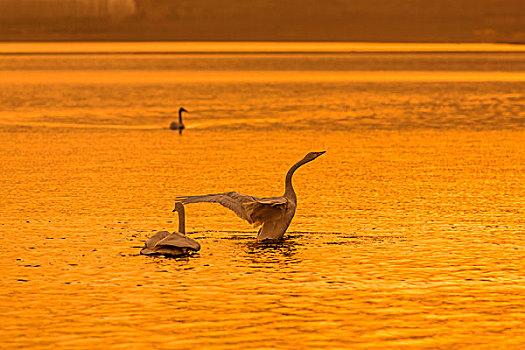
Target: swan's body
(178, 125)
(173, 244)
(274, 213)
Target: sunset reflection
(406, 233)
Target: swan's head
(312, 155)
(178, 207)
(182, 110)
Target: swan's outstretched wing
(231, 200)
(267, 209)
(252, 209)
(273, 201)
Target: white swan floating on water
(171, 244)
(273, 213)
(178, 125)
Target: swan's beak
(320, 153)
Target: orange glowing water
(409, 231)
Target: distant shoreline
(245, 47)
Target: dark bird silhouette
(178, 125)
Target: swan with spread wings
(273, 214)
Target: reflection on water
(408, 232)
(268, 252)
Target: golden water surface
(409, 231)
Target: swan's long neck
(180, 119)
(288, 187)
(182, 223)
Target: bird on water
(171, 244)
(178, 125)
(273, 214)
